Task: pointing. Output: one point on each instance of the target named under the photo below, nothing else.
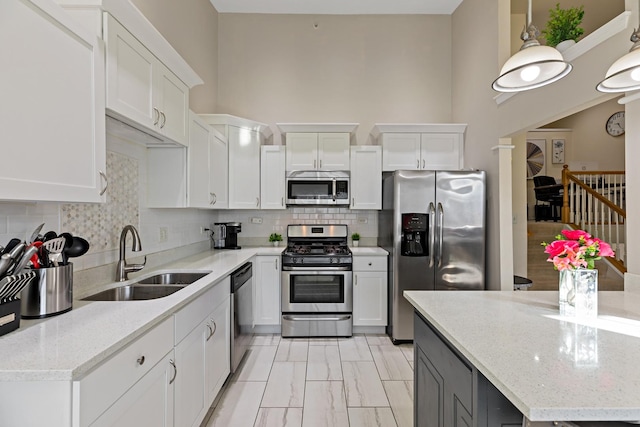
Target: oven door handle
(316, 270)
(333, 318)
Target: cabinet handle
(320, 163)
(164, 120)
(423, 163)
(314, 164)
(175, 371)
(106, 182)
(213, 198)
(210, 332)
(140, 360)
(418, 164)
(282, 202)
(276, 264)
(353, 201)
(355, 276)
(369, 264)
(156, 116)
(257, 201)
(215, 327)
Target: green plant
(563, 24)
(355, 237)
(275, 237)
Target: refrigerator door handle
(440, 233)
(432, 234)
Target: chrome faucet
(122, 269)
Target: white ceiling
(338, 7)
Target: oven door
(316, 291)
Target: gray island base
(508, 359)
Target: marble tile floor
(319, 382)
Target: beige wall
(191, 27)
(329, 68)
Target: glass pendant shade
(531, 67)
(624, 74)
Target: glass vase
(578, 293)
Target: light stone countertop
(549, 367)
(66, 346)
(368, 250)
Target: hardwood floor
(541, 272)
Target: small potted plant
(355, 237)
(275, 238)
(563, 26)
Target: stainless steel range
(317, 282)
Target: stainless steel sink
(152, 287)
(135, 293)
(178, 278)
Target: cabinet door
(172, 100)
(244, 168)
(190, 405)
(442, 151)
(52, 105)
(366, 177)
(369, 298)
(199, 177)
(333, 151)
(130, 75)
(267, 291)
(400, 151)
(148, 403)
(302, 151)
(429, 385)
(217, 351)
(219, 171)
(272, 177)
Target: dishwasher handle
(241, 276)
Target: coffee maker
(224, 235)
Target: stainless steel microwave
(318, 188)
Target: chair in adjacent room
(548, 198)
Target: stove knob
(332, 260)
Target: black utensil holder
(9, 316)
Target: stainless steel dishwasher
(241, 313)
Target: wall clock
(615, 124)
(557, 155)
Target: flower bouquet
(574, 254)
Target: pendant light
(533, 66)
(624, 74)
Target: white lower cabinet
(148, 403)
(217, 362)
(267, 290)
(369, 290)
(190, 404)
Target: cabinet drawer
(369, 263)
(190, 316)
(104, 385)
(457, 373)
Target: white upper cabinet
(244, 138)
(421, 146)
(147, 81)
(366, 177)
(142, 89)
(272, 177)
(219, 171)
(52, 105)
(320, 146)
(199, 166)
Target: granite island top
(549, 367)
(66, 346)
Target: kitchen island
(514, 345)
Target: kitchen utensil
(12, 243)
(35, 233)
(26, 257)
(43, 256)
(49, 235)
(15, 255)
(55, 248)
(68, 242)
(5, 263)
(79, 247)
(15, 285)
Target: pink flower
(576, 249)
(575, 234)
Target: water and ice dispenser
(415, 234)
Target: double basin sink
(152, 287)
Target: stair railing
(594, 201)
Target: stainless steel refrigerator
(432, 223)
